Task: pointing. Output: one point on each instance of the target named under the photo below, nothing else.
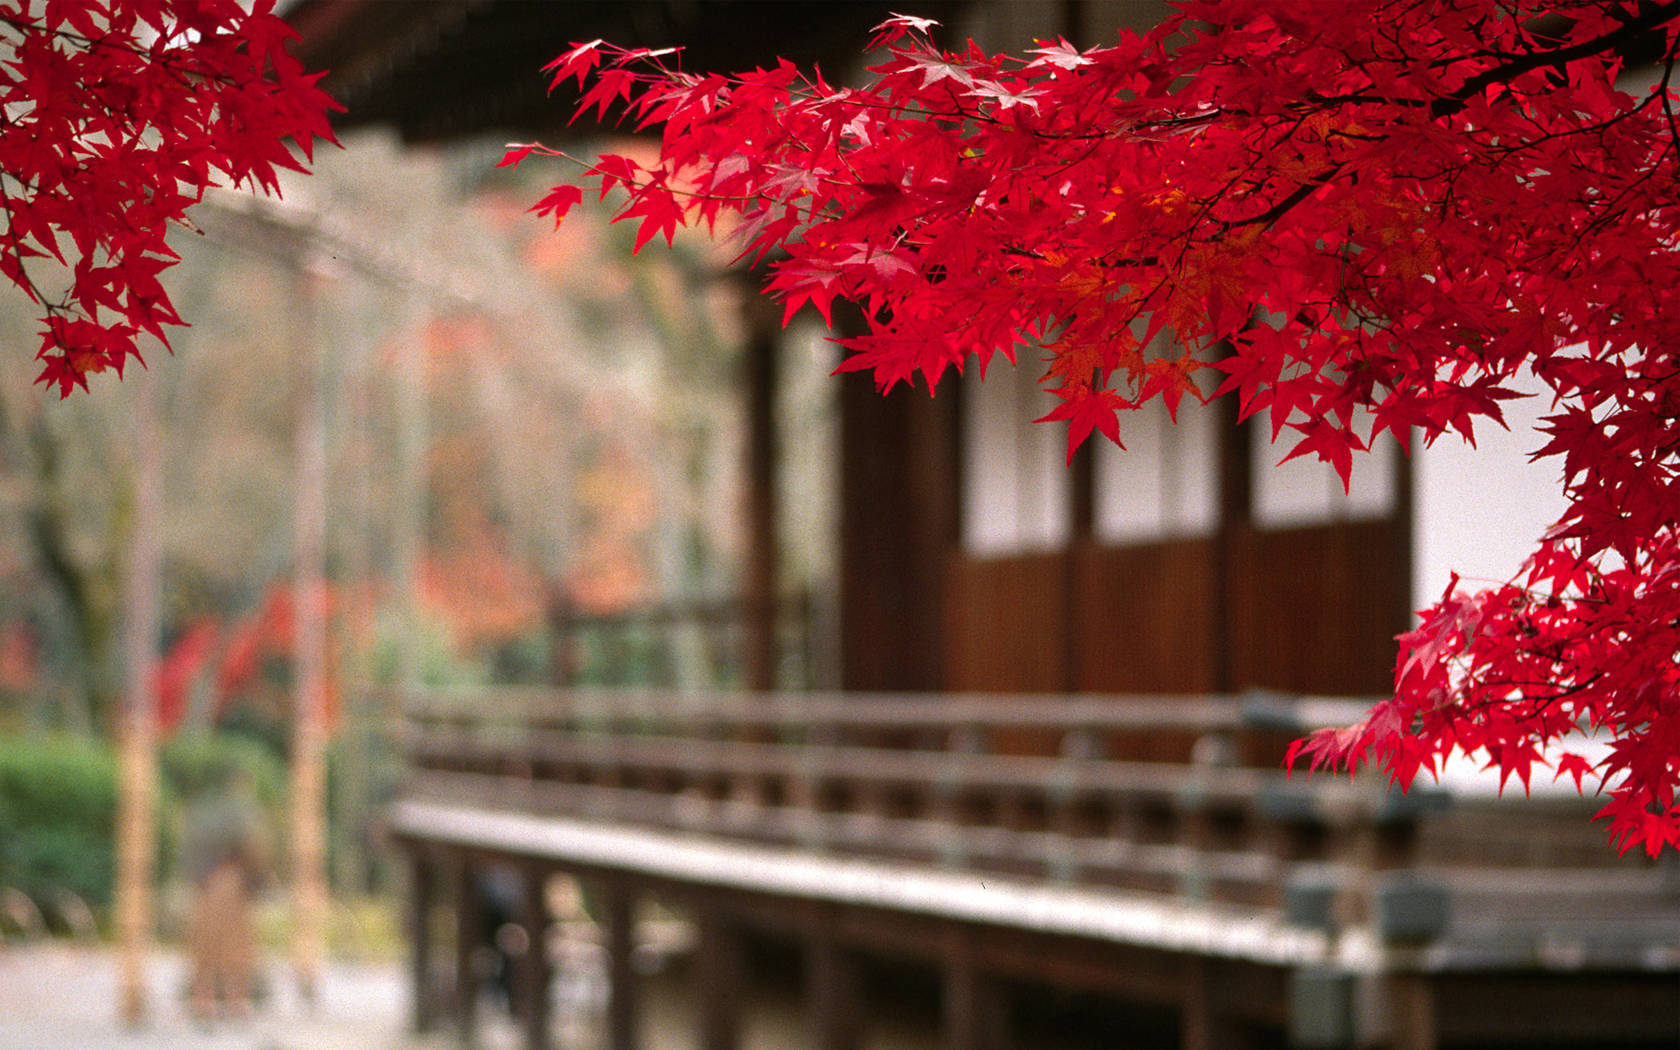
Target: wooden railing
(1168, 795)
(686, 645)
(1158, 824)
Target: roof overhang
(441, 69)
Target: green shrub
(58, 804)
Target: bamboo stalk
(136, 830)
(308, 769)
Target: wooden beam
(311, 674)
(1082, 528)
(1140, 974)
(137, 804)
(1402, 518)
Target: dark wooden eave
(441, 69)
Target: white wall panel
(1015, 482)
(1479, 511)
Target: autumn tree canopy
(1367, 218)
(115, 116)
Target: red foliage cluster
(1372, 217)
(115, 115)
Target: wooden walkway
(1145, 848)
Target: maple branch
(1286, 204)
(1668, 107)
(1446, 105)
(1527, 144)
(1558, 58)
(1458, 100)
(17, 249)
(184, 71)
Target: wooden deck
(1147, 848)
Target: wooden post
(833, 995)
(423, 892)
(136, 831)
(763, 332)
(719, 982)
(618, 916)
(1195, 1019)
(1236, 502)
(975, 1009)
(1204, 1023)
(534, 971)
(469, 931)
(1414, 1020)
(900, 514)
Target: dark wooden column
(833, 994)
(764, 328)
(534, 971)
(899, 521)
(720, 981)
(1235, 451)
(422, 899)
(1082, 528)
(469, 932)
(618, 919)
(1403, 522)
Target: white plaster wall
(1307, 491)
(1016, 483)
(1479, 511)
(1164, 483)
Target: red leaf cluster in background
(115, 116)
(1370, 218)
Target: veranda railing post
(618, 918)
(535, 971)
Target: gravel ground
(64, 997)
(57, 996)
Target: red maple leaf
(120, 116)
(1086, 411)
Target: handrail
(1148, 794)
(1131, 712)
(966, 781)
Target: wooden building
(969, 558)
